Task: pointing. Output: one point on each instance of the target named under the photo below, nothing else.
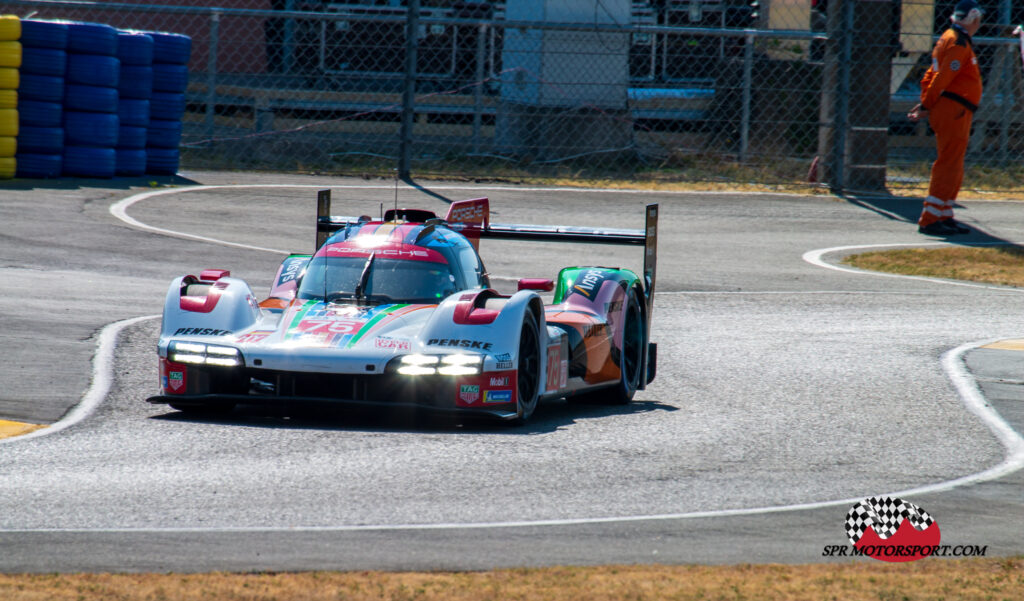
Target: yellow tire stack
(10, 62)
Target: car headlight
(204, 354)
(460, 364)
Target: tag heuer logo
(469, 393)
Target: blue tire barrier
(133, 112)
(130, 137)
(91, 129)
(130, 161)
(97, 99)
(92, 38)
(93, 70)
(44, 34)
(163, 134)
(40, 114)
(44, 61)
(170, 78)
(162, 161)
(134, 48)
(136, 81)
(171, 48)
(41, 140)
(39, 165)
(89, 161)
(45, 88)
(167, 106)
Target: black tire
(529, 374)
(630, 359)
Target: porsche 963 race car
(400, 312)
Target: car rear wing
(471, 218)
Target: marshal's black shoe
(939, 228)
(955, 225)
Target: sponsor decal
(498, 396)
(254, 336)
(328, 326)
(467, 213)
(589, 283)
(291, 270)
(469, 393)
(504, 361)
(422, 254)
(460, 343)
(384, 342)
(955, 65)
(554, 366)
(176, 380)
(201, 332)
(499, 380)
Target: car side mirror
(536, 284)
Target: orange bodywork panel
(597, 340)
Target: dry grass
(1003, 265)
(867, 580)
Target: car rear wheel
(528, 378)
(630, 359)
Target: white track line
(952, 362)
(102, 378)
(814, 257)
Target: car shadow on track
(549, 417)
(76, 183)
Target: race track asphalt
(787, 390)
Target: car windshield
(377, 280)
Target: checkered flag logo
(884, 515)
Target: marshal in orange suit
(950, 94)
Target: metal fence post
(478, 89)
(748, 78)
(842, 121)
(409, 93)
(211, 73)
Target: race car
(400, 312)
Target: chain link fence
(677, 90)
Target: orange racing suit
(950, 91)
